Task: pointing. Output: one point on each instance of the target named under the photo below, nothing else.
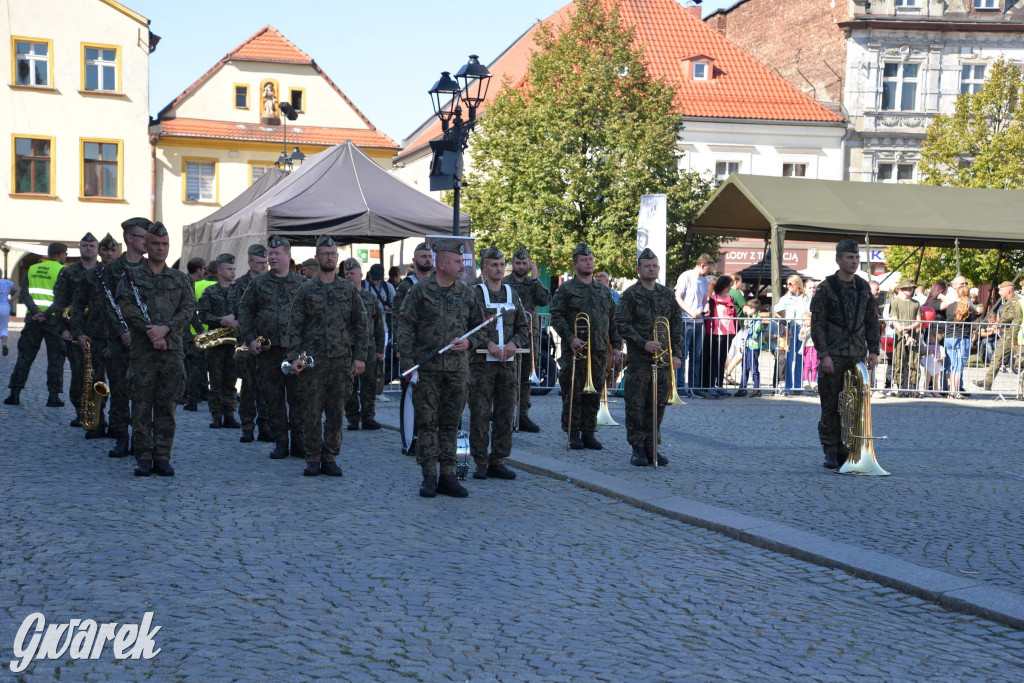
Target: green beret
(848, 245)
(108, 242)
(492, 253)
(136, 222)
(581, 250)
(276, 241)
(157, 230)
(454, 246)
(522, 254)
(257, 250)
(226, 258)
(422, 246)
(351, 264)
(325, 241)
(88, 238)
(646, 254)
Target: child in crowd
(810, 354)
(932, 356)
(753, 333)
(735, 357)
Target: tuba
(216, 337)
(855, 424)
(93, 394)
(661, 359)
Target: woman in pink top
(720, 328)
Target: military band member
(438, 310)
(88, 321)
(119, 336)
(157, 372)
(220, 359)
(252, 410)
(196, 379)
(583, 294)
(308, 268)
(494, 376)
(69, 280)
(533, 294)
(264, 312)
(327, 322)
(422, 264)
(845, 330)
(362, 398)
(638, 308)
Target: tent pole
(778, 237)
(767, 238)
(901, 264)
(956, 244)
(867, 248)
(920, 260)
(993, 292)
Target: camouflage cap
(1005, 283)
(325, 241)
(451, 245)
(226, 258)
(137, 222)
(646, 254)
(257, 250)
(581, 250)
(422, 246)
(88, 238)
(848, 245)
(157, 230)
(309, 263)
(492, 253)
(906, 283)
(351, 264)
(522, 254)
(276, 241)
(108, 242)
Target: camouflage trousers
(195, 373)
(438, 399)
(324, 388)
(252, 404)
(117, 373)
(362, 395)
(525, 368)
(829, 387)
(638, 396)
(280, 396)
(492, 408)
(76, 359)
(905, 360)
(1002, 355)
(220, 363)
(32, 337)
(584, 406)
(157, 379)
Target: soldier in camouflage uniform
(264, 312)
(157, 301)
(494, 376)
(437, 311)
(583, 294)
(69, 280)
(422, 264)
(119, 336)
(1010, 317)
(327, 322)
(635, 314)
(252, 409)
(845, 330)
(362, 397)
(220, 359)
(196, 379)
(88, 321)
(533, 294)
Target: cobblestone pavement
(255, 572)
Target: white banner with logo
(651, 229)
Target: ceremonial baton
(437, 353)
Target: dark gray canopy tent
(340, 192)
(874, 213)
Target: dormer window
(700, 67)
(701, 71)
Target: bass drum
(407, 420)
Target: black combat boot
(649, 452)
(639, 457)
(428, 489)
(247, 436)
(527, 425)
(575, 443)
(280, 451)
(54, 401)
(371, 424)
(120, 449)
(500, 471)
(481, 471)
(191, 406)
(14, 399)
(230, 422)
(163, 468)
(312, 469)
(831, 460)
(353, 425)
(298, 450)
(331, 469)
(216, 422)
(99, 433)
(449, 485)
(77, 422)
(143, 468)
(590, 441)
(265, 435)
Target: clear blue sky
(383, 54)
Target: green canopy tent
(773, 209)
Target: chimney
(696, 11)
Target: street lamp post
(286, 161)
(470, 87)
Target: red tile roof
(669, 33)
(268, 45)
(297, 134)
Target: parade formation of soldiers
(310, 349)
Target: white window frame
(904, 3)
(986, 5)
(793, 167)
(973, 83)
(701, 71)
(32, 58)
(727, 163)
(101, 64)
(203, 174)
(892, 169)
(901, 81)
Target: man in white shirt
(692, 297)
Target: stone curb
(956, 593)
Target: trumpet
(220, 336)
(662, 358)
(307, 360)
(534, 378)
(243, 350)
(581, 329)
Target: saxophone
(215, 337)
(93, 394)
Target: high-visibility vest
(201, 286)
(41, 278)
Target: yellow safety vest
(200, 286)
(41, 279)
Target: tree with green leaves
(564, 156)
(981, 144)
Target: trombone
(534, 377)
(661, 358)
(581, 329)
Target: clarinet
(135, 293)
(110, 297)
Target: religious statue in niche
(269, 111)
